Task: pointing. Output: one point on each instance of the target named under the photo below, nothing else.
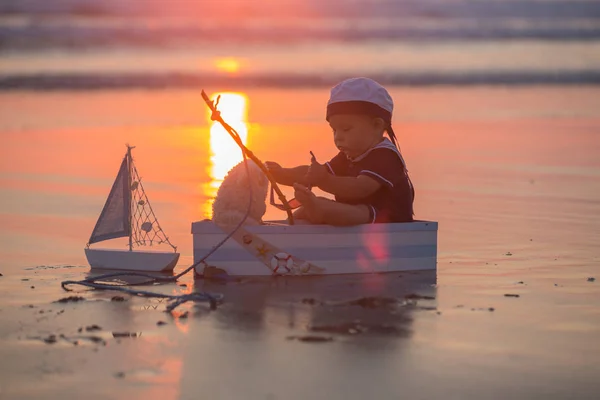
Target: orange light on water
(228, 64)
(376, 253)
(224, 152)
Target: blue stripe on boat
(326, 254)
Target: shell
(146, 226)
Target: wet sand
(383, 336)
(513, 177)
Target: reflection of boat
(351, 304)
(127, 213)
(279, 248)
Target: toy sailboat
(127, 213)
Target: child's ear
(379, 124)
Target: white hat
(360, 95)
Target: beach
(511, 174)
(496, 109)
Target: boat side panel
(338, 254)
(317, 254)
(333, 267)
(208, 226)
(373, 241)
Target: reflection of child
(368, 176)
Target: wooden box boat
(279, 248)
(282, 249)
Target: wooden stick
(216, 116)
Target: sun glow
(225, 153)
(228, 64)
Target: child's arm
(348, 187)
(287, 176)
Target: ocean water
(95, 44)
(498, 168)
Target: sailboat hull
(132, 260)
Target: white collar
(384, 144)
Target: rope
(175, 300)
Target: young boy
(368, 176)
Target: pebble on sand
(124, 334)
(50, 339)
(511, 295)
(92, 328)
(96, 339)
(70, 299)
(591, 279)
(311, 338)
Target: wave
(48, 82)
(42, 24)
(211, 9)
(77, 37)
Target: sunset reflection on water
(224, 152)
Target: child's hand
(275, 169)
(317, 173)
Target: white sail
(114, 221)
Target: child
(368, 176)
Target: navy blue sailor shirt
(393, 201)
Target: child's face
(355, 134)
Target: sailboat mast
(129, 183)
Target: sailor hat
(360, 96)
